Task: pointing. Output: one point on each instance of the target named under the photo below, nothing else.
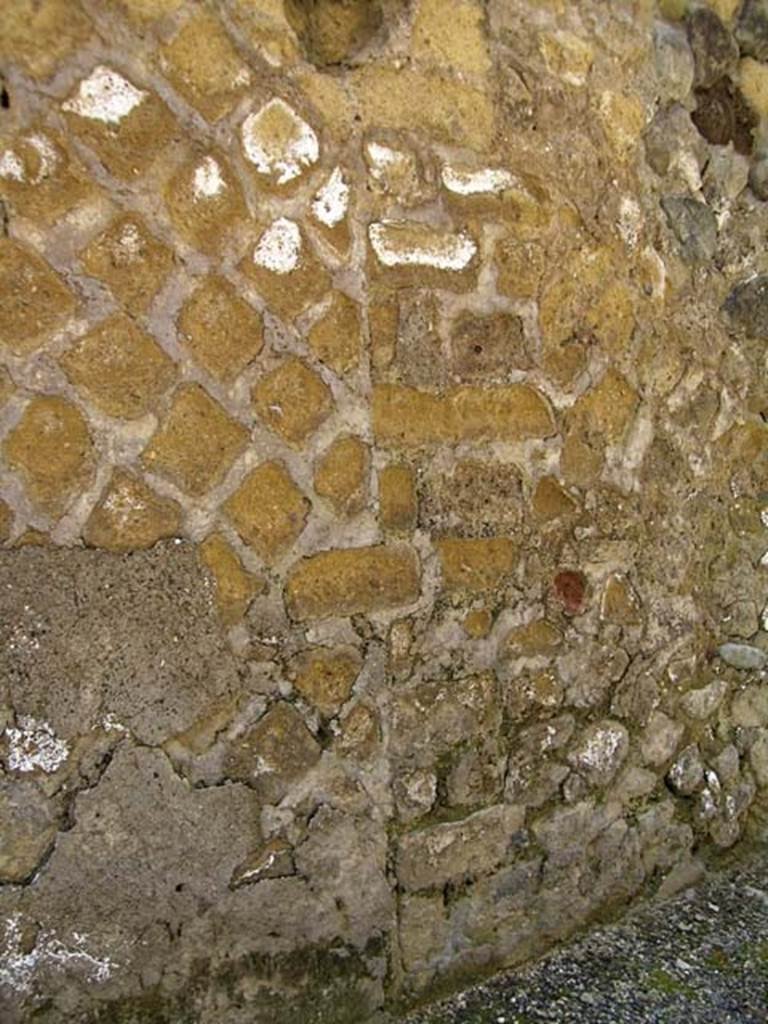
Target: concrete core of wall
(383, 490)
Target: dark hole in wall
(331, 32)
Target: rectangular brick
(353, 581)
(475, 564)
(408, 417)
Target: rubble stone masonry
(383, 490)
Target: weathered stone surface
(196, 442)
(51, 447)
(130, 516)
(34, 301)
(407, 417)
(325, 676)
(28, 829)
(293, 400)
(341, 475)
(437, 327)
(276, 752)
(235, 586)
(120, 367)
(694, 225)
(445, 853)
(40, 177)
(476, 564)
(205, 201)
(203, 64)
(268, 510)
(351, 581)
(336, 337)
(130, 260)
(127, 127)
(398, 501)
(222, 331)
(39, 36)
(162, 658)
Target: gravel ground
(701, 958)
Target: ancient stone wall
(384, 489)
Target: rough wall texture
(384, 489)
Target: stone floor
(700, 959)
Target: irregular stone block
(434, 856)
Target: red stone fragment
(570, 588)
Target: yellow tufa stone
(121, 369)
(325, 676)
(6, 385)
(753, 80)
(431, 104)
(196, 442)
(476, 565)
(6, 522)
(268, 510)
(130, 260)
(352, 581)
(477, 623)
(221, 330)
(411, 254)
(341, 475)
(408, 417)
(336, 338)
(619, 603)
(623, 118)
(285, 270)
(451, 33)
(274, 754)
(551, 501)
(202, 64)
(567, 56)
(360, 732)
(607, 409)
(206, 203)
(34, 301)
(398, 502)
(235, 586)
(293, 400)
(130, 516)
(126, 126)
(383, 321)
(278, 144)
(140, 12)
(580, 463)
(51, 447)
(40, 178)
(39, 34)
(535, 639)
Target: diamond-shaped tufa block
(220, 329)
(205, 201)
(285, 270)
(279, 144)
(268, 510)
(130, 516)
(127, 127)
(39, 177)
(196, 443)
(38, 34)
(119, 367)
(293, 400)
(51, 448)
(34, 301)
(336, 338)
(130, 260)
(202, 64)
